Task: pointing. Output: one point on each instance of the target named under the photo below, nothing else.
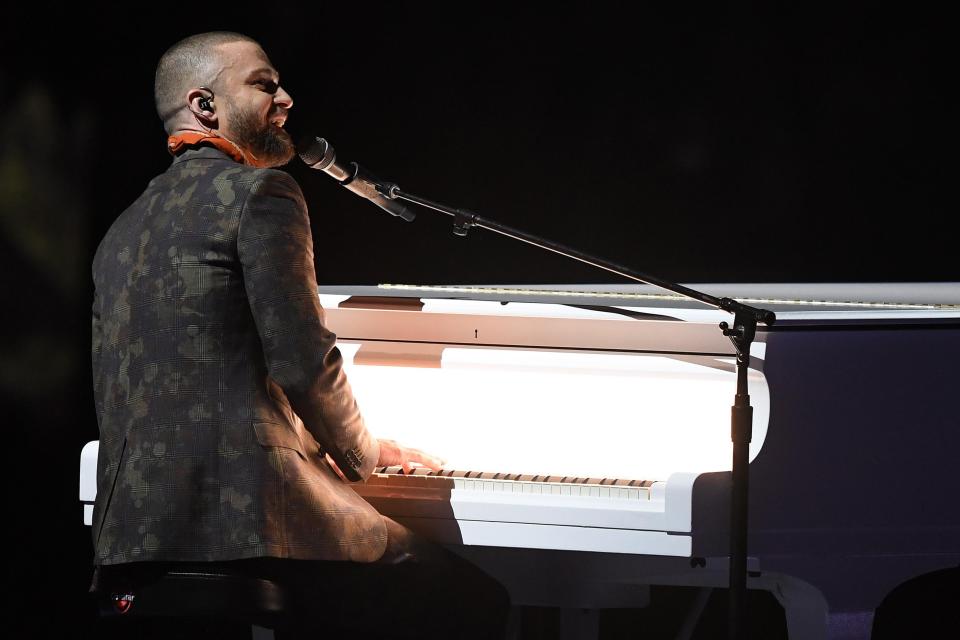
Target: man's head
(223, 82)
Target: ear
(202, 105)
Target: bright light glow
(628, 416)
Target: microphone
(317, 153)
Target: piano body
(587, 437)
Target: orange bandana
(178, 143)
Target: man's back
(207, 344)
(227, 427)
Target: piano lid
(794, 303)
(542, 388)
(775, 296)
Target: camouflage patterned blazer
(218, 389)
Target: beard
(271, 145)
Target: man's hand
(392, 455)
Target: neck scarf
(177, 144)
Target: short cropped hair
(188, 63)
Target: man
(228, 430)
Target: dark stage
(786, 144)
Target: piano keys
(589, 514)
(588, 429)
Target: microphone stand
(745, 319)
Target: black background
(789, 144)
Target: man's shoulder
(260, 182)
(275, 179)
(211, 166)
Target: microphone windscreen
(314, 150)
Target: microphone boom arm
(464, 220)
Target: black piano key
(427, 474)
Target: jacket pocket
(275, 434)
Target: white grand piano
(586, 433)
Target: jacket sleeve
(275, 247)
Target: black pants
(416, 589)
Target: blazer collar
(202, 153)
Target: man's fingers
(415, 455)
(393, 454)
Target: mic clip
(388, 189)
(365, 184)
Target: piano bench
(202, 599)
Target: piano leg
(693, 615)
(579, 624)
(261, 633)
(803, 605)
